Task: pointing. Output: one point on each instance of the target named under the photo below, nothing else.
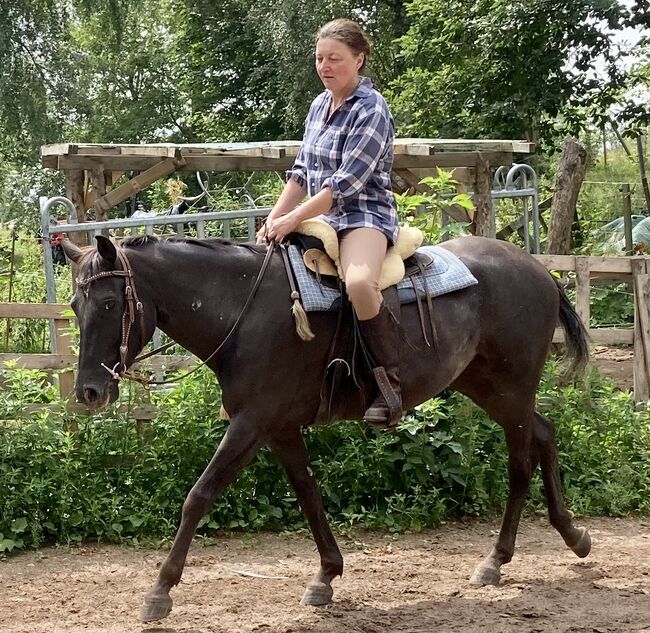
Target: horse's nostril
(91, 394)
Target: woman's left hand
(278, 228)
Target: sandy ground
(615, 363)
(414, 582)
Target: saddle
(320, 245)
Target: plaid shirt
(352, 154)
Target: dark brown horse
(493, 339)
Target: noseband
(132, 306)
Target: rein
(133, 305)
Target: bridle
(134, 306)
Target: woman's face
(337, 65)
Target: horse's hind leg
(577, 539)
(292, 453)
(522, 462)
(237, 448)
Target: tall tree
(510, 68)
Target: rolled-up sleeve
(298, 172)
(364, 147)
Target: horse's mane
(145, 241)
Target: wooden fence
(588, 270)
(63, 360)
(631, 270)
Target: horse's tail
(576, 338)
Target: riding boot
(380, 335)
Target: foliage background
(198, 71)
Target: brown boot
(381, 337)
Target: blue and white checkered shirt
(352, 154)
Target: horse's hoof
(583, 546)
(317, 594)
(485, 576)
(155, 609)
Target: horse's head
(115, 322)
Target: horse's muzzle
(97, 396)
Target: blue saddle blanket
(446, 273)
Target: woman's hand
(261, 235)
(278, 228)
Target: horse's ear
(72, 251)
(106, 249)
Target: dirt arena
(409, 583)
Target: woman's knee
(364, 296)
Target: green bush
(447, 459)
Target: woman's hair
(348, 32)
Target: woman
(344, 165)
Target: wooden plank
(603, 335)
(472, 145)
(449, 160)
(274, 152)
(140, 182)
(583, 290)
(137, 412)
(34, 310)
(39, 361)
(641, 331)
(597, 265)
(557, 262)
(68, 361)
(59, 149)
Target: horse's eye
(109, 305)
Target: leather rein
(133, 306)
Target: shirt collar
(363, 89)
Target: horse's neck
(197, 291)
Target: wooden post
(74, 187)
(627, 218)
(583, 290)
(484, 223)
(641, 330)
(63, 346)
(644, 177)
(568, 181)
(604, 145)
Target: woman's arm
(279, 227)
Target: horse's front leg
(292, 453)
(237, 448)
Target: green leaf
(19, 525)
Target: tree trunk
(568, 181)
(644, 177)
(483, 223)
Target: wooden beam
(597, 264)
(39, 361)
(35, 310)
(137, 184)
(603, 335)
(226, 162)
